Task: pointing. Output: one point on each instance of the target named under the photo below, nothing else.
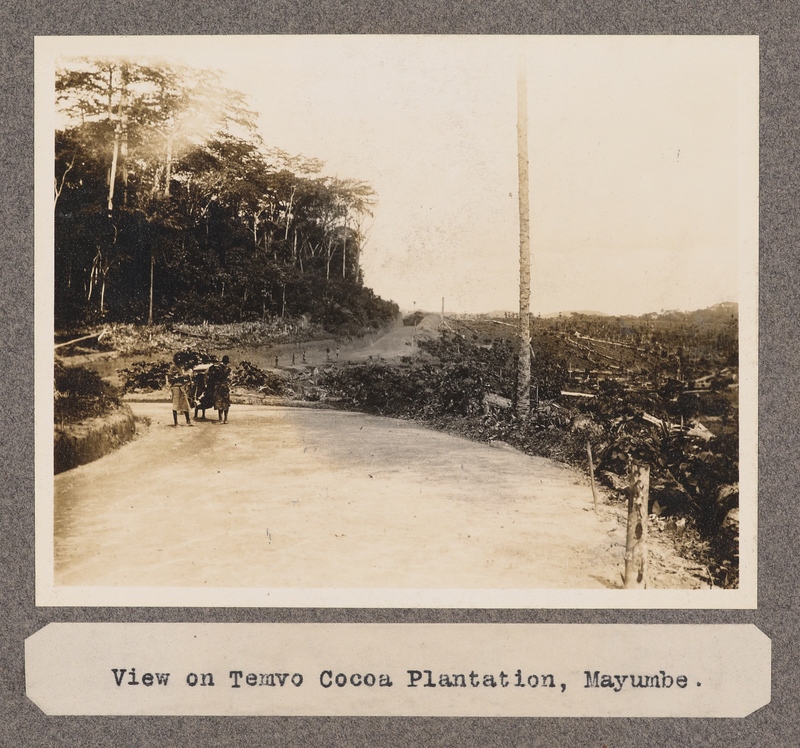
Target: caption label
(399, 669)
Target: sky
(642, 150)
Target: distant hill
(721, 313)
(584, 312)
(725, 310)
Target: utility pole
(524, 342)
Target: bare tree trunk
(288, 211)
(59, 187)
(123, 123)
(110, 109)
(124, 155)
(524, 371)
(156, 181)
(94, 274)
(103, 295)
(120, 143)
(113, 173)
(344, 249)
(152, 268)
(168, 165)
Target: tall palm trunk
(524, 377)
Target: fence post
(591, 473)
(636, 540)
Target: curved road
(290, 497)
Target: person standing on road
(222, 390)
(202, 394)
(178, 383)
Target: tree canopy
(169, 205)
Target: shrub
(81, 393)
(144, 376)
(250, 376)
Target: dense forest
(169, 206)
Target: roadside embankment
(85, 441)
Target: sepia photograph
(397, 321)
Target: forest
(168, 206)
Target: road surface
(291, 497)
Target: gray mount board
(777, 24)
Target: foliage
(686, 472)
(452, 377)
(147, 376)
(251, 377)
(144, 376)
(413, 319)
(134, 340)
(168, 206)
(188, 358)
(81, 393)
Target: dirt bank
(83, 442)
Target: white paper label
(514, 670)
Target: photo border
(47, 52)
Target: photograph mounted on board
(397, 321)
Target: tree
(166, 201)
(524, 375)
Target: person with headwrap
(222, 389)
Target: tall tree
(524, 373)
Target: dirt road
(284, 497)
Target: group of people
(204, 386)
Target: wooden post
(591, 474)
(636, 541)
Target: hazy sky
(643, 157)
